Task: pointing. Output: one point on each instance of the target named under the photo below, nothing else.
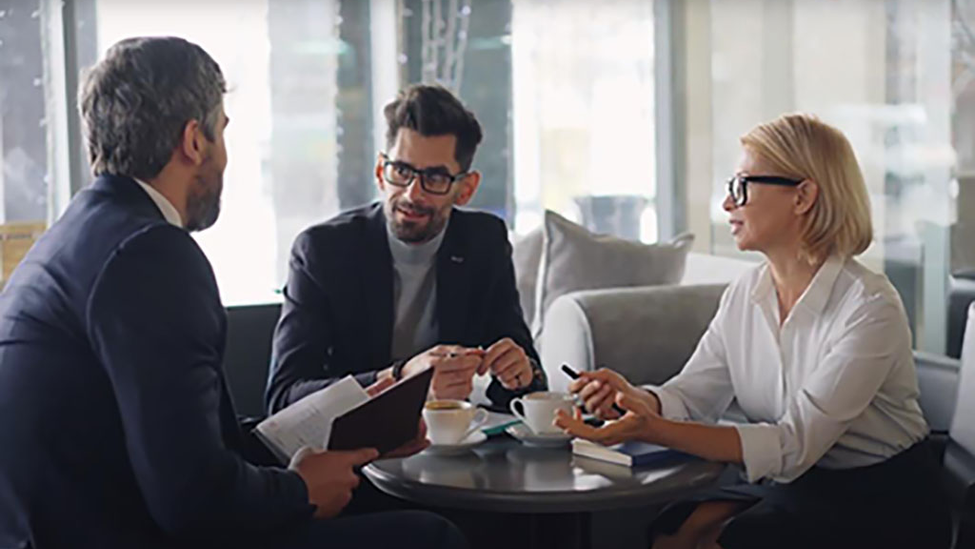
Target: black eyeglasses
(432, 180)
(738, 185)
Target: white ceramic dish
(521, 432)
(471, 441)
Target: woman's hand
(599, 390)
(636, 424)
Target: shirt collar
(817, 293)
(165, 206)
(763, 287)
(424, 252)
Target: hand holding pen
(454, 368)
(599, 398)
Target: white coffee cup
(451, 421)
(537, 410)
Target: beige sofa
(645, 333)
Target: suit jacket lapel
(377, 277)
(453, 282)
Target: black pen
(569, 371)
(466, 352)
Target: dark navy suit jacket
(116, 427)
(337, 317)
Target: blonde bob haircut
(803, 147)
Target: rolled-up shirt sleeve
(845, 382)
(703, 390)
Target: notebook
(631, 454)
(343, 417)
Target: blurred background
(623, 115)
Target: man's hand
(636, 424)
(509, 363)
(453, 369)
(380, 386)
(330, 477)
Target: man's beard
(203, 202)
(413, 232)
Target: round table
(502, 475)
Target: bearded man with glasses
(410, 282)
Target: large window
(298, 143)
(583, 86)
(891, 74)
(563, 89)
(25, 171)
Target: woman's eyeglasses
(738, 185)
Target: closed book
(631, 454)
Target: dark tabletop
(503, 475)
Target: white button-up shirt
(834, 386)
(166, 207)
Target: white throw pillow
(962, 428)
(574, 259)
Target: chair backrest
(937, 378)
(645, 333)
(248, 354)
(963, 423)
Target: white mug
(451, 421)
(537, 410)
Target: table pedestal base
(560, 530)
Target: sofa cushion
(573, 259)
(962, 258)
(645, 333)
(937, 379)
(526, 256)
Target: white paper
(308, 422)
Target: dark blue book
(631, 454)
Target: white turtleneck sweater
(415, 328)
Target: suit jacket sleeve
(507, 320)
(156, 324)
(300, 363)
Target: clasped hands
(598, 391)
(454, 367)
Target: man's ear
(193, 143)
(468, 187)
(806, 195)
(379, 173)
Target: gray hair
(136, 102)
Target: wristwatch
(398, 369)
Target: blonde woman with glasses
(816, 349)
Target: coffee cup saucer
(469, 442)
(529, 438)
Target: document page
(308, 422)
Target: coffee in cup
(537, 410)
(451, 421)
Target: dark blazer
(337, 317)
(116, 427)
